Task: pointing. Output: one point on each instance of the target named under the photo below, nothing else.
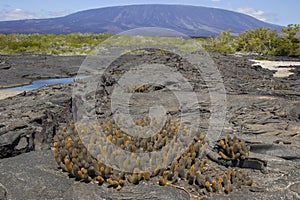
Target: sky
(281, 12)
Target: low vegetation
(263, 41)
(71, 44)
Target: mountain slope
(190, 20)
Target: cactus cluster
(194, 167)
(72, 152)
(72, 156)
(233, 148)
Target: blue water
(40, 83)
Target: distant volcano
(190, 20)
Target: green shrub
(50, 43)
(262, 40)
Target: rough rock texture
(29, 120)
(262, 110)
(37, 177)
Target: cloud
(15, 14)
(259, 14)
(215, 0)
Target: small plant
(264, 58)
(139, 89)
